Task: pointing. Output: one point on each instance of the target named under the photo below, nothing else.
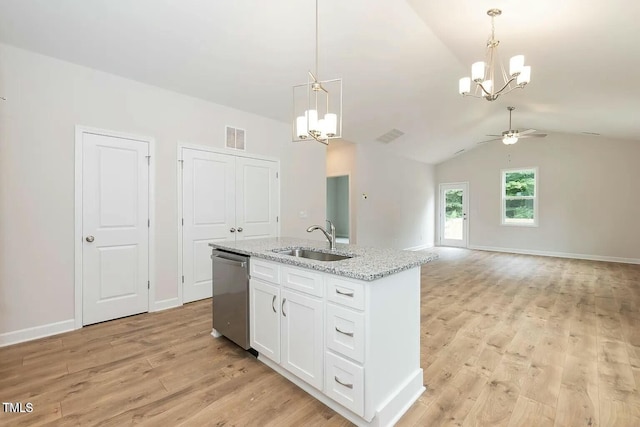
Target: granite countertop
(367, 263)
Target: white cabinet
(224, 197)
(301, 332)
(286, 325)
(353, 345)
(264, 300)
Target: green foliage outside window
(453, 208)
(519, 187)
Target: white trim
(557, 254)
(166, 304)
(419, 248)
(78, 215)
(229, 151)
(28, 334)
(179, 168)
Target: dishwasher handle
(220, 258)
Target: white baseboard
(419, 248)
(557, 254)
(28, 334)
(166, 304)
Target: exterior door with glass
(454, 225)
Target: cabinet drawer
(345, 331)
(305, 281)
(345, 292)
(265, 270)
(344, 382)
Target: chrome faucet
(331, 237)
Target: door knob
(89, 239)
(239, 229)
(233, 230)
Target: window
(520, 197)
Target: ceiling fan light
(515, 65)
(464, 86)
(509, 139)
(525, 75)
(477, 71)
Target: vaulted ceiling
(400, 60)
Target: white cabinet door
(208, 199)
(257, 198)
(302, 332)
(264, 317)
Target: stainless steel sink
(311, 254)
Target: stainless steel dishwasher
(231, 296)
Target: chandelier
(483, 73)
(317, 106)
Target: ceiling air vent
(390, 136)
(235, 138)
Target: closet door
(208, 199)
(257, 198)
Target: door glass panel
(453, 221)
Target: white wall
(589, 203)
(46, 99)
(399, 209)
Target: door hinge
(183, 222)
(148, 159)
(148, 222)
(182, 279)
(148, 284)
(277, 175)
(277, 219)
(181, 163)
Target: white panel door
(302, 332)
(454, 226)
(257, 198)
(208, 198)
(115, 213)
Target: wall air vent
(235, 138)
(390, 136)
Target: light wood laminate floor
(507, 340)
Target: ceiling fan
(511, 136)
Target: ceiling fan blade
(533, 135)
(525, 132)
(495, 135)
(488, 140)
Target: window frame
(504, 197)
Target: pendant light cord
(317, 39)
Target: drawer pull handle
(346, 294)
(273, 301)
(284, 313)
(350, 334)
(343, 384)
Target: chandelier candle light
(316, 114)
(483, 72)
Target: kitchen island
(346, 331)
